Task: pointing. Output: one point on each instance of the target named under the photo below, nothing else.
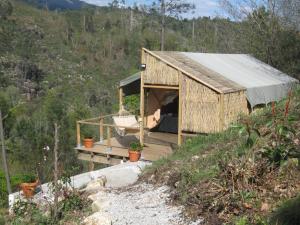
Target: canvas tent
(264, 84)
(212, 89)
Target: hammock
(130, 122)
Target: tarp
(264, 83)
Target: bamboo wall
(200, 107)
(158, 72)
(235, 103)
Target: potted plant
(134, 151)
(29, 187)
(88, 140)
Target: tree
(170, 8)
(265, 33)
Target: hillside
(64, 65)
(242, 175)
(61, 67)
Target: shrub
(287, 213)
(15, 181)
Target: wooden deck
(157, 145)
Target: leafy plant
(247, 127)
(135, 146)
(72, 202)
(282, 142)
(22, 208)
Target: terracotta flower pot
(88, 142)
(29, 188)
(134, 156)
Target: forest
(58, 66)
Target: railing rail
(98, 121)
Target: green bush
(287, 213)
(15, 181)
(72, 202)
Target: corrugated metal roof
(240, 68)
(130, 79)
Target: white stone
(96, 185)
(98, 218)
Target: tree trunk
(131, 20)
(4, 155)
(84, 24)
(56, 140)
(162, 35)
(193, 31)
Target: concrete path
(117, 176)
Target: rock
(96, 185)
(195, 157)
(98, 218)
(99, 204)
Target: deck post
(179, 108)
(142, 103)
(121, 99)
(101, 131)
(78, 134)
(109, 139)
(91, 164)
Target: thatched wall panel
(200, 107)
(158, 72)
(235, 104)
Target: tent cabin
(201, 92)
(183, 94)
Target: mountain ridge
(58, 4)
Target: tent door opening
(162, 110)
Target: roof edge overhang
(128, 80)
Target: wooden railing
(99, 121)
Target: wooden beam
(121, 99)
(222, 115)
(89, 123)
(142, 103)
(91, 165)
(101, 131)
(161, 86)
(180, 108)
(98, 159)
(189, 135)
(78, 134)
(109, 137)
(97, 118)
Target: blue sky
(203, 7)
